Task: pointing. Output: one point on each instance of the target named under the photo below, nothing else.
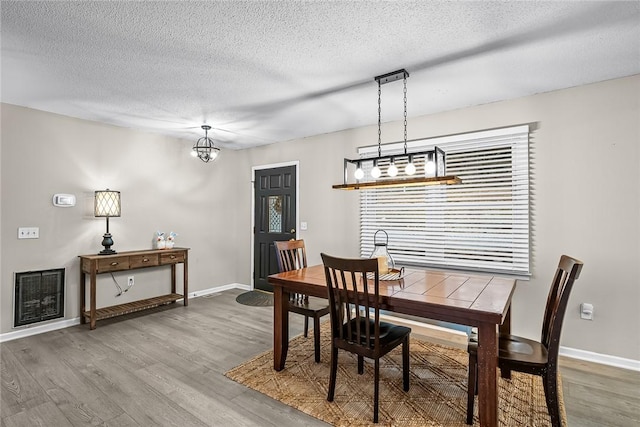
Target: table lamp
(107, 204)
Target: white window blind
(481, 224)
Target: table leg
(280, 327)
(92, 301)
(185, 278)
(505, 328)
(83, 297)
(173, 278)
(487, 375)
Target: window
(481, 224)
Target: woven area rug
(437, 396)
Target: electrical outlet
(586, 311)
(28, 232)
(130, 281)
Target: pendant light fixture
(430, 164)
(204, 148)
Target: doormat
(256, 298)
(437, 396)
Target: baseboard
(603, 359)
(429, 332)
(218, 289)
(432, 332)
(27, 331)
(458, 339)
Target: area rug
(437, 395)
(256, 298)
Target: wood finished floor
(165, 367)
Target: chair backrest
(354, 284)
(567, 273)
(291, 255)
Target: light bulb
(430, 167)
(358, 174)
(410, 169)
(194, 153)
(376, 172)
(393, 170)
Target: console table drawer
(171, 258)
(139, 261)
(113, 264)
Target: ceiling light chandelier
(430, 164)
(204, 148)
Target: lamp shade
(107, 203)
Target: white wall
(585, 200)
(585, 186)
(162, 188)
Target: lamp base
(107, 242)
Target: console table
(94, 264)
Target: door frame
(295, 163)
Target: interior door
(274, 219)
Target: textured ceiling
(262, 72)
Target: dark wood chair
(354, 300)
(292, 255)
(529, 356)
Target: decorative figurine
(171, 240)
(160, 242)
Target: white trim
(27, 331)
(427, 331)
(603, 359)
(218, 289)
(295, 163)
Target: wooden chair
(354, 284)
(291, 255)
(529, 356)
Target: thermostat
(64, 200)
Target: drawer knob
(145, 260)
(173, 257)
(114, 263)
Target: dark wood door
(275, 219)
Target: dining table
(477, 300)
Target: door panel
(274, 218)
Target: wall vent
(39, 296)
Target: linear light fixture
(430, 164)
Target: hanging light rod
(392, 76)
(430, 164)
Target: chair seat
(310, 307)
(512, 348)
(388, 332)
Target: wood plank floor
(165, 367)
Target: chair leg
(550, 380)
(316, 338)
(405, 364)
(360, 365)
(333, 373)
(471, 387)
(376, 390)
(306, 326)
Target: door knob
(293, 230)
